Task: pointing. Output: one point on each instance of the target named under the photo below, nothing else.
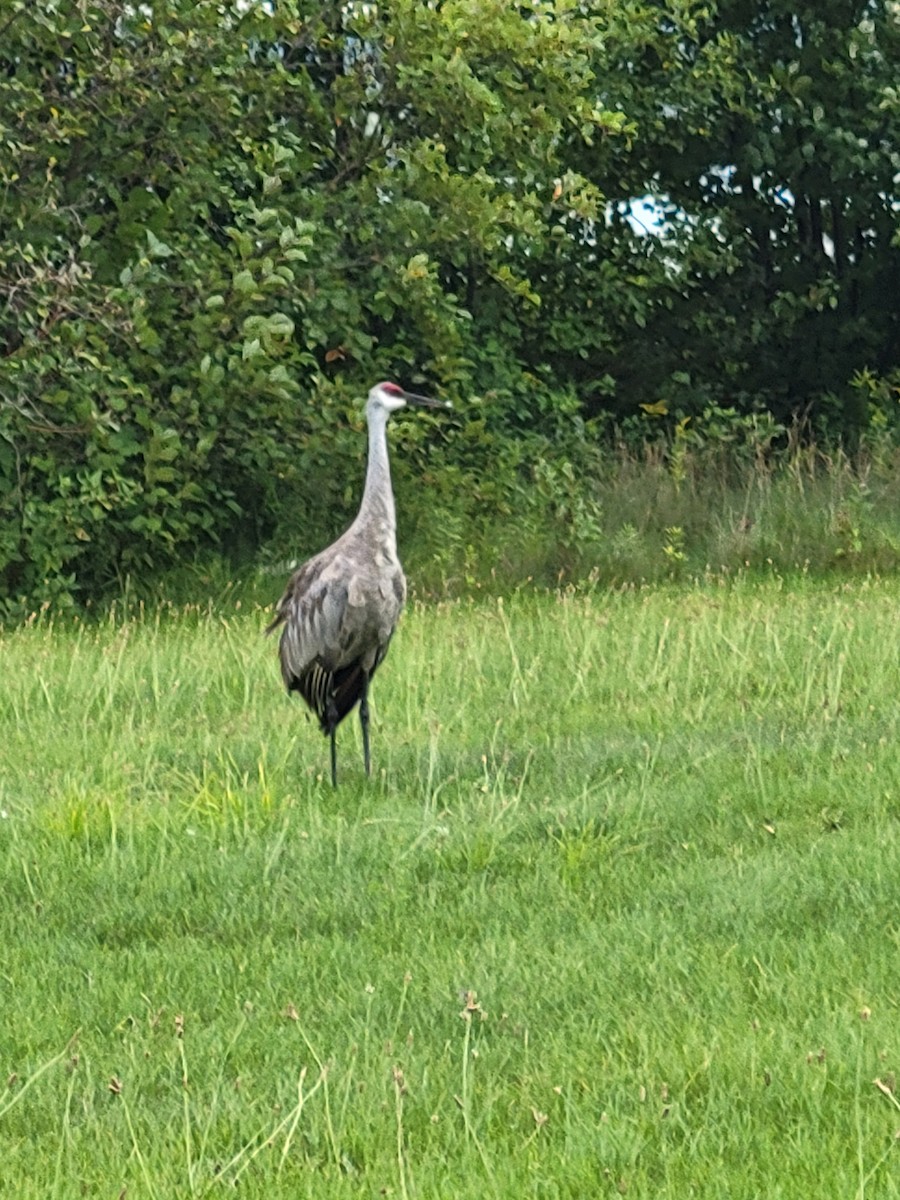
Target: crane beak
(425, 401)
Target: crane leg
(331, 714)
(364, 722)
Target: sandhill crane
(340, 608)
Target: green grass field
(618, 912)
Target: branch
(36, 420)
(12, 17)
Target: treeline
(220, 223)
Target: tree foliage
(219, 223)
(768, 137)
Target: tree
(223, 219)
(767, 138)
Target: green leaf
(157, 249)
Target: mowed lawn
(618, 912)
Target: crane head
(390, 396)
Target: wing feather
(336, 628)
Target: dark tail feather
(346, 690)
(330, 694)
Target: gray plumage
(340, 609)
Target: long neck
(377, 506)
